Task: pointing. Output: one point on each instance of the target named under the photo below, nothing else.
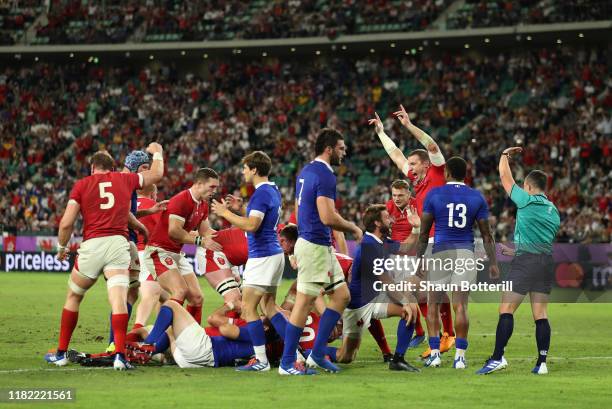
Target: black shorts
(532, 273)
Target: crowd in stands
(16, 17)
(555, 103)
(496, 13)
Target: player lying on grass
(425, 169)
(103, 200)
(367, 303)
(455, 208)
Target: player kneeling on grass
(264, 269)
(366, 303)
(103, 199)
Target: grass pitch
(580, 363)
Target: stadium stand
(557, 103)
(16, 17)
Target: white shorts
(101, 254)
(318, 268)
(355, 322)
(264, 271)
(209, 262)
(193, 348)
(452, 267)
(157, 261)
(144, 274)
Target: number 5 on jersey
(110, 198)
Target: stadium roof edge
(457, 35)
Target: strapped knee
(118, 281)
(75, 288)
(226, 286)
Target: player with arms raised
(103, 199)
(318, 269)
(425, 168)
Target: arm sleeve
(75, 193)
(519, 196)
(483, 211)
(327, 187)
(257, 205)
(436, 159)
(175, 209)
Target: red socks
(196, 312)
(120, 323)
(67, 326)
(377, 331)
(447, 319)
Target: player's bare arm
(249, 224)
(156, 172)
(392, 150)
(156, 208)
(207, 235)
(426, 224)
(66, 226)
(236, 204)
(435, 156)
(340, 241)
(505, 173)
(135, 224)
(489, 245)
(410, 244)
(330, 217)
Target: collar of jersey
(325, 163)
(264, 183)
(193, 198)
(375, 238)
(455, 183)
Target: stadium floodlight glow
(528, 38)
(420, 48)
(127, 54)
(392, 45)
(413, 51)
(437, 43)
(559, 41)
(90, 59)
(183, 52)
(292, 49)
(581, 35)
(205, 56)
(18, 56)
(35, 58)
(151, 57)
(466, 45)
(71, 55)
(344, 47)
(95, 60)
(487, 40)
(318, 52)
(264, 54)
(372, 50)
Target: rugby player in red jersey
(103, 199)
(185, 221)
(425, 169)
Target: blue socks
(326, 326)
(404, 335)
(257, 332)
(163, 321)
(434, 343)
(111, 336)
(292, 338)
(162, 344)
(279, 322)
(461, 343)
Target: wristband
(158, 156)
(230, 305)
(198, 240)
(506, 154)
(60, 247)
(416, 230)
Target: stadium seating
(16, 18)
(555, 103)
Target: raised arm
(392, 150)
(435, 156)
(156, 173)
(505, 173)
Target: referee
(537, 223)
